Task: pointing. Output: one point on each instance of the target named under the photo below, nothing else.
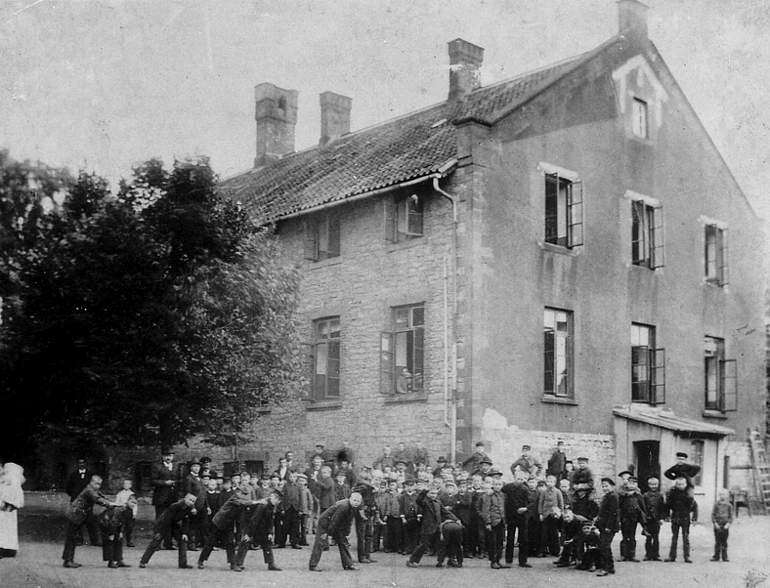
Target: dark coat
(175, 516)
(431, 513)
(76, 482)
(230, 511)
(260, 521)
(632, 507)
(582, 476)
(584, 506)
(608, 517)
(516, 497)
(324, 491)
(337, 519)
(194, 485)
(163, 494)
(83, 505)
(655, 505)
(557, 463)
(680, 504)
(408, 504)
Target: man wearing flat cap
(607, 523)
(526, 463)
(474, 461)
(583, 477)
(682, 468)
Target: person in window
(404, 381)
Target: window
(322, 237)
(696, 458)
(558, 353)
(648, 366)
(646, 234)
(326, 359)
(402, 352)
(716, 254)
(404, 217)
(639, 118)
(563, 211)
(721, 380)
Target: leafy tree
(151, 315)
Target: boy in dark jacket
(111, 522)
(681, 508)
(174, 520)
(607, 523)
(632, 512)
(430, 509)
(655, 506)
(721, 518)
(410, 518)
(258, 530)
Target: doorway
(647, 459)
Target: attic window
(639, 123)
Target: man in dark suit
(80, 509)
(431, 510)
(164, 484)
(608, 523)
(173, 520)
(335, 522)
(516, 508)
(76, 482)
(259, 531)
(193, 484)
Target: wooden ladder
(761, 469)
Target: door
(647, 459)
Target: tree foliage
(148, 316)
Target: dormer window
(639, 118)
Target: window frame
(569, 354)
(322, 236)
(413, 330)
(716, 268)
(405, 217)
(647, 234)
(725, 377)
(640, 118)
(564, 232)
(328, 343)
(649, 361)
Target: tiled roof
(666, 419)
(405, 148)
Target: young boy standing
(632, 512)
(655, 506)
(549, 507)
(681, 507)
(721, 518)
(122, 498)
(493, 515)
(607, 523)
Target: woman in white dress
(11, 500)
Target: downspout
(450, 402)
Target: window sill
(404, 398)
(407, 244)
(322, 404)
(547, 399)
(325, 262)
(561, 249)
(714, 414)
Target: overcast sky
(104, 85)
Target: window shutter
(311, 240)
(724, 272)
(570, 391)
(387, 380)
(637, 231)
(389, 206)
(575, 215)
(658, 259)
(658, 376)
(551, 207)
(728, 376)
(308, 365)
(414, 216)
(333, 232)
(418, 359)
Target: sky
(104, 85)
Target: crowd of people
(402, 504)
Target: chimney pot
(465, 61)
(276, 116)
(335, 116)
(632, 20)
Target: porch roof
(666, 419)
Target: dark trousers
(304, 521)
(477, 538)
(410, 535)
(534, 534)
(224, 536)
(651, 542)
(628, 543)
(591, 557)
(112, 546)
(263, 542)
(289, 527)
(364, 529)
(319, 544)
(159, 510)
(426, 542)
(452, 545)
(379, 533)
(495, 538)
(549, 535)
(392, 540)
(605, 549)
(128, 527)
(74, 530)
(158, 537)
(279, 532)
(676, 526)
(198, 522)
(720, 543)
(517, 526)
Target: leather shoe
(504, 566)
(236, 568)
(315, 569)
(112, 565)
(142, 565)
(411, 564)
(201, 566)
(351, 569)
(296, 547)
(122, 564)
(71, 564)
(688, 560)
(604, 573)
(274, 568)
(525, 565)
(494, 565)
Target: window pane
(548, 361)
(321, 355)
(401, 351)
(418, 316)
(401, 317)
(639, 118)
(711, 382)
(334, 328)
(549, 319)
(561, 366)
(551, 216)
(561, 211)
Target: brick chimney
(632, 20)
(465, 61)
(335, 116)
(276, 116)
